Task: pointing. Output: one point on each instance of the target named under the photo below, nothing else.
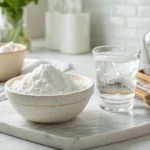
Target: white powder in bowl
(46, 80)
(9, 47)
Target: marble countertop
(11, 143)
(84, 64)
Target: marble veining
(94, 127)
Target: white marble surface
(11, 143)
(92, 128)
(85, 66)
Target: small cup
(116, 76)
(11, 63)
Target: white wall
(113, 21)
(118, 21)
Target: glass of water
(116, 76)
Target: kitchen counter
(83, 64)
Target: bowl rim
(23, 48)
(91, 85)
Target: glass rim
(137, 50)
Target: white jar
(52, 30)
(53, 25)
(75, 33)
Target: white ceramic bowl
(50, 109)
(11, 63)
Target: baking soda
(9, 47)
(46, 80)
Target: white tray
(92, 128)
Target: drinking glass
(116, 76)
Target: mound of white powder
(46, 80)
(9, 47)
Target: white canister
(52, 30)
(75, 33)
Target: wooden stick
(144, 95)
(143, 76)
(140, 93)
